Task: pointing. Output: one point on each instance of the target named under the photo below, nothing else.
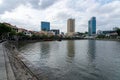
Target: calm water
(74, 60)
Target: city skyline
(28, 14)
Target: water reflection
(45, 49)
(75, 60)
(70, 49)
(91, 50)
(91, 58)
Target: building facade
(70, 25)
(56, 31)
(45, 26)
(92, 26)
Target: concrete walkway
(3, 75)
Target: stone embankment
(3, 74)
(16, 69)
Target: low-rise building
(70, 34)
(55, 31)
(24, 31)
(47, 33)
(107, 33)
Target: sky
(28, 14)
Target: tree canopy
(4, 29)
(118, 31)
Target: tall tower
(89, 27)
(92, 26)
(70, 25)
(45, 26)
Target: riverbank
(108, 39)
(18, 67)
(3, 74)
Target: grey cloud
(109, 8)
(63, 15)
(9, 5)
(75, 5)
(23, 24)
(46, 3)
(104, 1)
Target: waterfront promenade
(11, 66)
(6, 72)
(3, 75)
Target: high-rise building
(56, 31)
(45, 26)
(70, 25)
(89, 28)
(92, 26)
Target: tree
(4, 30)
(101, 36)
(118, 31)
(86, 32)
(35, 37)
(20, 34)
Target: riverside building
(45, 26)
(92, 26)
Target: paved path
(3, 75)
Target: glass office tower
(92, 26)
(45, 26)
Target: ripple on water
(74, 60)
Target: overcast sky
(29, 13)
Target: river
(74, 59)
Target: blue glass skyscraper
(92, 26)
(45, 26)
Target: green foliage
(80, 34)
(20, 34)
(44, 36)
(118, 31)
(86, 32)
(12, 33)
(35, 36)
(4, 29)
(101, 36)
